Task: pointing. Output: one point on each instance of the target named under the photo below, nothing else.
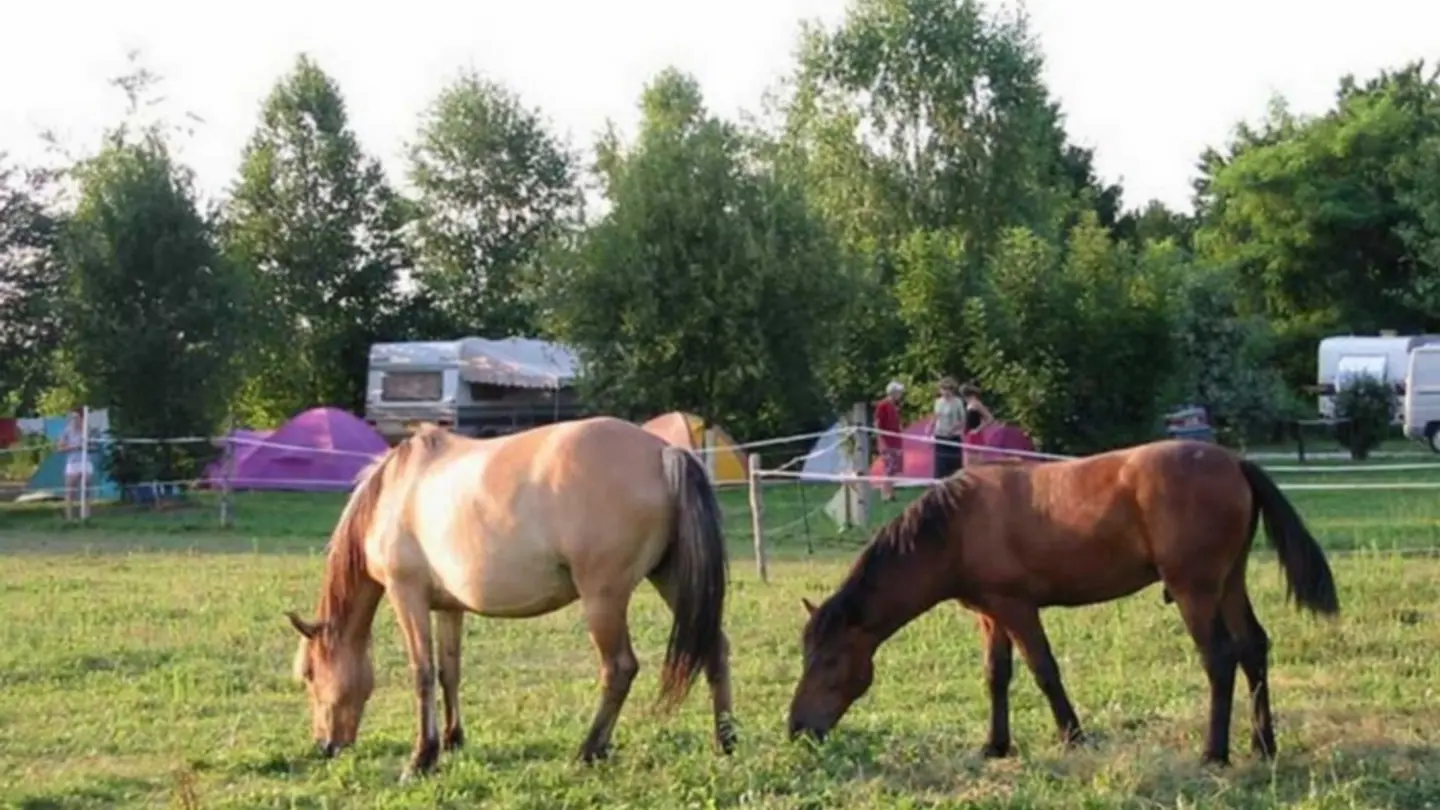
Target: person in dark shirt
(887, 423)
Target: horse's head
(838, 667)
(339, 677)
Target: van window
(411, 386)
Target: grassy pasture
(144, 663)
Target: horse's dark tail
(696, 566)
(1307, 573)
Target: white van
(473, 386)
(1385, 357)
(1421, 410)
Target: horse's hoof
(423, 761)
(590, 755)
(725, 738)
(1074, 738)
(1214, 760)
(454, 738)
(993, 750)
(1263, 746)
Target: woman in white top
(949, 426)
(78, 468)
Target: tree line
(906, 204)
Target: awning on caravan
(517, 363)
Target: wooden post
(757, 517)
(227, 469)
(865, 494)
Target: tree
(314, 220)
(707, 284)
(1223, 358)
(152, 308)
(924, 131)
(1325, 220)
(30, 273)
(1053, 326)
(494, 188)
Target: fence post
(84, 462)
(865, 494)
(757, 517)
(707, 441)
(227, 467)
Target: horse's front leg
(999, 667)
(1022, 621)
(412, 613)
(448, 631)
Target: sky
(1146, 84)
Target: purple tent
(240, 443)
(321, 449)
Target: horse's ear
(307, 629)
(809, 608)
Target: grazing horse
(1007, 540)
(516, 527)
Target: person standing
(948, 429)
(78, 468)
(978, 415)
(887, 425)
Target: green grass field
(144, 662)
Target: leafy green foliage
(322, 233)
(708, 284)
(153, 309)
(1051, 329)
(1330, 221)
(30, 273)
(495, 187)
(1368, 405)
(1223, 358)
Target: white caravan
(473, 386)
(1421, 411)
(1344, 357)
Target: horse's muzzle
(800, 729)
(328, 748)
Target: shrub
(1368, 405)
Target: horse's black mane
(923, 525)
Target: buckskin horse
(1008, 540)
(516, 527)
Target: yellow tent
(688, 431)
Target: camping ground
(144, 661)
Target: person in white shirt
(949, 426)
(79, 470)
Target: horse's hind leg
(1252, 650)
(717, 675)
(448, 631)
(1200, 608)
(605, 615)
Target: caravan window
(412, 386)
(1354, 366)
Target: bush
(1368, 405)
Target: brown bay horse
(1006, 540)
(516, 527)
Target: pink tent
(1000, 436)
(918, 452)
(321, 449)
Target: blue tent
(49, 478)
